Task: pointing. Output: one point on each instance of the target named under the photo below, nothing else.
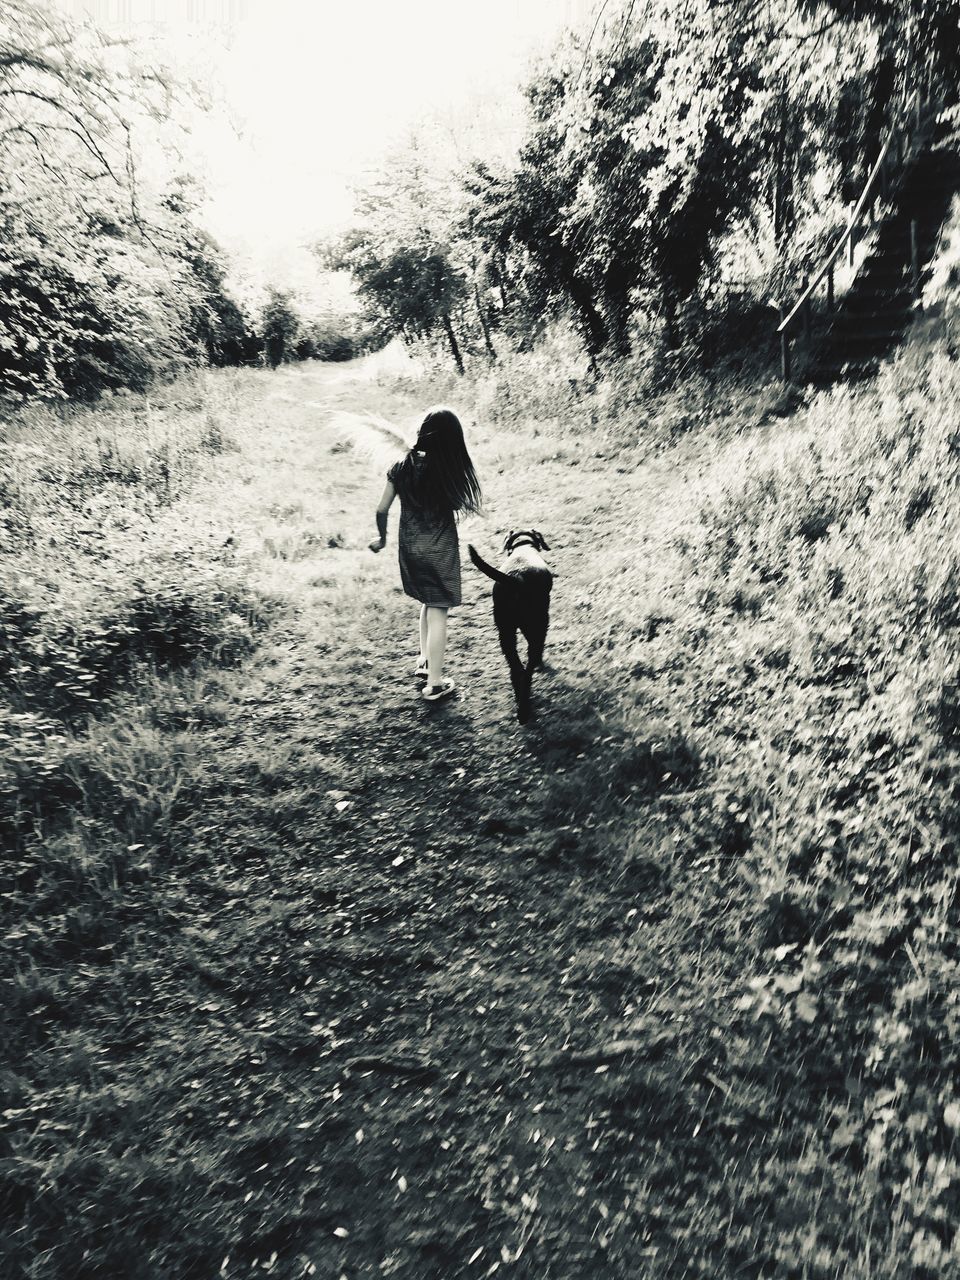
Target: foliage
(402, 254)
(672, 155)
(118, 616)
(646, 150)
(279, 326)
(215, 325)
(808, 645)
(106, 281)
(921, 36)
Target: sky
(313, 91)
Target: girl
(435, 481)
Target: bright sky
(320, 87)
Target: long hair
(445, 480)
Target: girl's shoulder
(406, 469)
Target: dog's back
(523, 564)
(527, 563)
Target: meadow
(308, 978)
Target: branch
(813, 35)
(604, 1054)
(27, 60)
(46, 126)
(586, 52)
(83, 134)
(623, 31)
(22, 128)
(134, 205)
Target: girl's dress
(429, 548)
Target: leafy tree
(280, 327)
(214, 323)
(654, 147)
(520, 218)
(411, 267)
(413, 287)
(627, 176)
(99, 286)
(676, 127)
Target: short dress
(429, 549)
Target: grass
(306, 979)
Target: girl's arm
(389, 493)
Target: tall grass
(810, 645)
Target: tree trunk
(670, 319)
(500, 285)
(483, 323)
(618, 313)
(595, 331)
(452, 339)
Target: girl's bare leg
(436, 634)
(423, 635)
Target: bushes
(97, 599)
(817, 643)
(288, 333)
(808, 649)
(843, 657)
(56, 675)
(167, 620)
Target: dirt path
(409, 978)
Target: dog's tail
(489, 570)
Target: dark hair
(445, 480)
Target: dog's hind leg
(534, 629)
(536, 639)
(519, 677)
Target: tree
(410, 269)
(414, 288)
(279, 328)
(520, 220)
(99, 290)
(623, 182)
(674, 128)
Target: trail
(399, 949)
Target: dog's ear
(507, 540)
(541, 541)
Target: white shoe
(434, 692)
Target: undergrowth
(813, 654)
(739, 854)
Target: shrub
(167, 620)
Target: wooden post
(784, 354)
(830, 298)
(804, 281)
(914, 258)
(784, 346)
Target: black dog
(521, 602)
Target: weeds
(728, 844)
